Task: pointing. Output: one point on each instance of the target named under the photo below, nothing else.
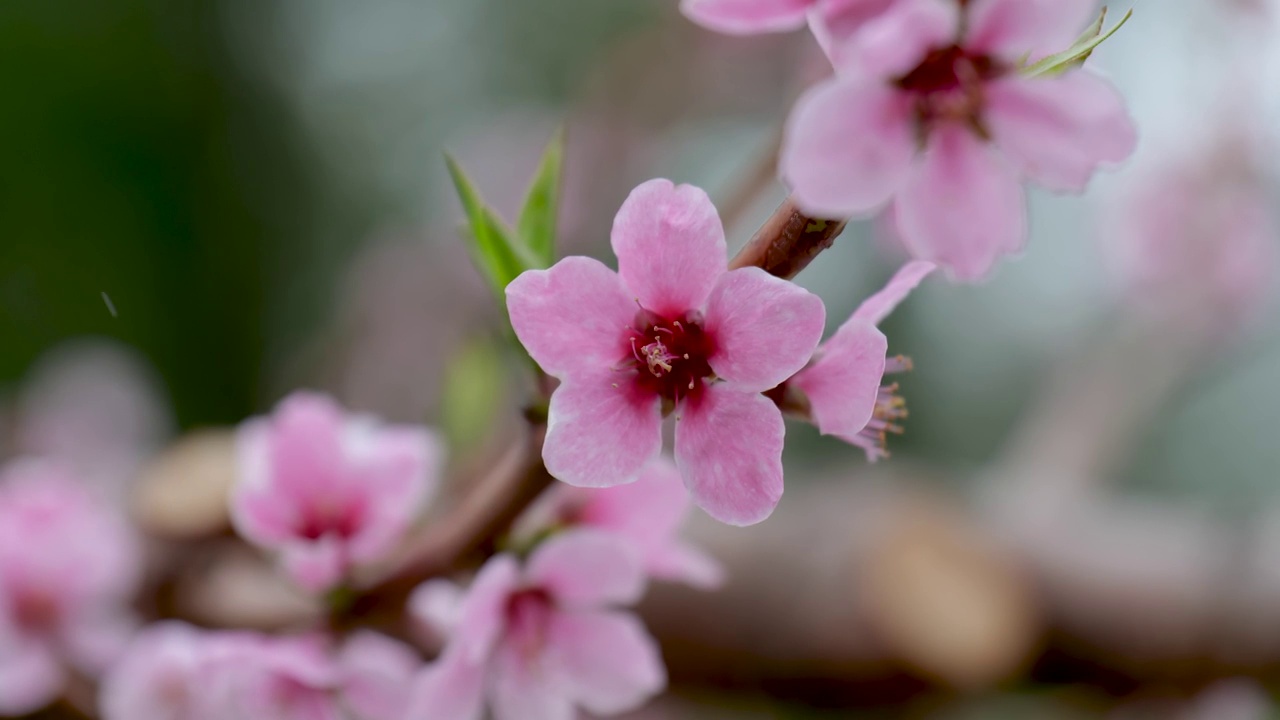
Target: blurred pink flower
(68, 566)
(673, 329)
(927, 110)
(327, 489)
(540, 640)
(843, 386)
(832, 21)
(647, 513)
(176, 671)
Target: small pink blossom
(647, 513)
(842, 389)
(672, 330)
(68, 566)
(928, 111)
(329, 490)
(542, 639)
(176, 671)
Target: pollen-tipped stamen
(890, 410)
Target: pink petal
(729, 450)
(765, 328)
(396, 469)
(605, 660)
(156, 679)
(747, 17)
(587, 568)
(878, 306)
(376, 674)
(648, 511)
(257, 512)
(316, 565)
(96, 639)
(600, 430)
(482, 619)
(843, 383)
(1059, 130)
(305, 447)
(670, 246)
(680, 562)
(1013, 28)
(848, 146)
(834, 22)
(962, 207)
(30, 677)
(571, 317)
(893, 43)
(437, 606)
(520, 688)
(449, 688)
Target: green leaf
(1080, 51)
(499, 258)
(537, 225)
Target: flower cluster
(928, 112)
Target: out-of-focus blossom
(1196, 239)
(329, 490)
(176, 671)
(542, 640)
(647, 513)
(672, 330)
(927, 110)
(832, 21)
(843, 387)
(68, 566)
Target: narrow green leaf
(1077, 53)
(492, 244)
(537, 225)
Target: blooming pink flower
(927, 109)
(68, 565)
(647, 513)
(329, 490)
(673, 329)
(176, 671)
(540, 640)
(842, 389)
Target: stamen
(890, 410)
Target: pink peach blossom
(647, 513)
(174, 671)
(328, 490)
(842, 389)
(927, 111)
(673, 329)
(68, 566)
(537, 641)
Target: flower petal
(316, 565)
(765, 328)
(848, 146)
(834, 22)
(670, 246)
(601, 430)
(587, 568)
(680, 562)
(571, 317)
(450, 688)
(962, 206)
(897, 40)
(482, 618)
(878, 306)
(376, 674)
(30, 678)
(843, 383)
(1013, 28)
(606, 660)
(396, 469)
(729, 450)
(1059, 130)
(747, 17)
(520, 687)
(437, 606)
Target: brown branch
(784, 246)
(787, 242)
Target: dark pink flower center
(330, 516)
(527, 613)
(36, 610)
(670, 355)
(947, 86)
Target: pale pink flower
(68, 566)
(174, 671)
(329, 490)
(647, 513)
(832, 21)
(928, 110)
(540, 640)
(672, 330)
(842, 390)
